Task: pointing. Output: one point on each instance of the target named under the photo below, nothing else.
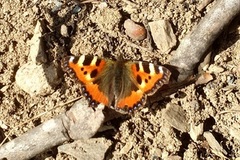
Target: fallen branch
(196, 43)
(81, 121)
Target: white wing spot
(160, 69)
(93, 63)
(140, 67)
(71, 58)
(81, 60)
(152, 70)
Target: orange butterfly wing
(148, 78)
(87, 68)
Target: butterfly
(122, 85)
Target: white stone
(163, 35)
(37, 53)
(37, 79)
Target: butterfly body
(119, 84)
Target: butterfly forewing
(87, 69)
(150, 77)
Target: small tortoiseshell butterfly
(119, 84)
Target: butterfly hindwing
(135, 100)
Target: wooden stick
(81, 121)
(196, 43)
(37, 116)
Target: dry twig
(81, 121)
(196, 43)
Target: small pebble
(102, 5)
(64, 30)
(128, 146)
(215, 69)
(76, 9)
(203, 66)
(57, 6)
(204, 78)
(3, 125)
(196, 131)
(135, 31)
(214, 144)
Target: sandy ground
(94, 29)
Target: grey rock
(37, 53)
(38, 79)
(94, 149)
